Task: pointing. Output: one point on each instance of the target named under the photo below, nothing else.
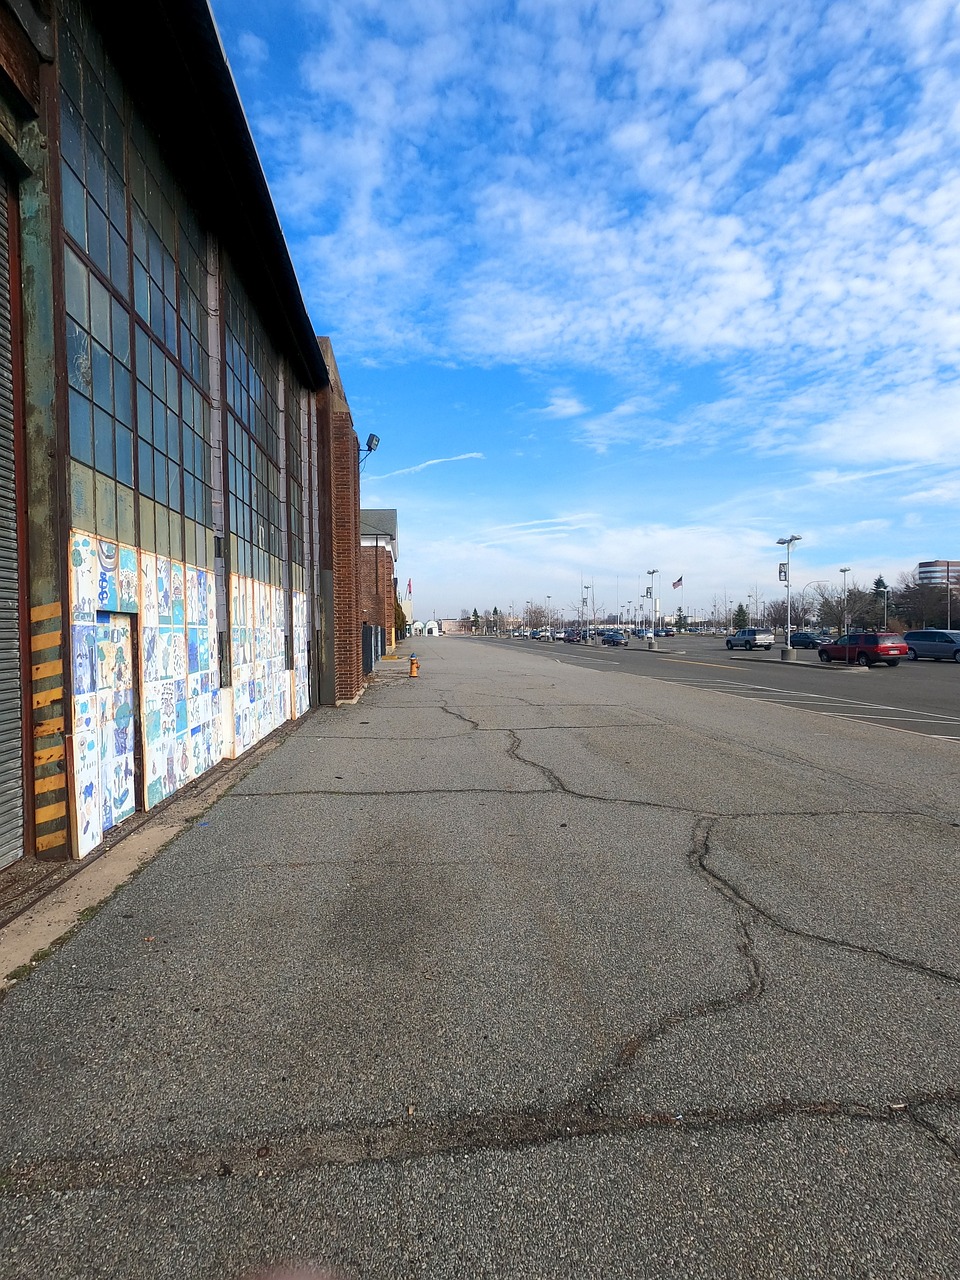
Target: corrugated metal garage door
(11, 724)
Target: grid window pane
(120, 331)
(100, 308)
(81, 428)
(74, 206)
(145, 468)
(78, 358)
(124, 455)
(103, 458)
(102, 376)
(75, 280)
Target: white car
(751, 638)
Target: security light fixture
(372, 445)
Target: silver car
(751, 638)
(932, 643)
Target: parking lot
(915, 697)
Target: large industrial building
(178, 466)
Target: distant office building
(938, 572)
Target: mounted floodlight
(372, 443)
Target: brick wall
(377, 592)
(340, 508)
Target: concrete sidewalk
(516, 969)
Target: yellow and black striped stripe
(49, 729)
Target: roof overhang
(173, 63)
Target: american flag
(678, 583)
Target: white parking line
(882, 714)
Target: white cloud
(563, 405)
(252, 50)
(422, 466)
(644, 189)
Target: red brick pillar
(340, 512)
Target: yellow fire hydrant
(414, 666)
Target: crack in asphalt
(458, 715)
(562, 788)
(581, 1116)
(633, 1049)
(700, 853)
(408, 1138)
(554, 782)
(924, 1122)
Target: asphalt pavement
(522, 968)
(915, 697)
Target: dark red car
(865, 648)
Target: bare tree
(777, 615)
(861, 607)
(829, 606)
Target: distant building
(938, 572)
(379, 553)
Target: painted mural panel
(163, 590)
(261, 682)
(86, 773)
(300, 663)
(124, 601)
(116, 729)
(129, 575)
(84, 567)
(182, 734)
(149, 607)
(102, 575)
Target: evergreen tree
(740, 617)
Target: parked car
(865, 648)
(616, 638)
(805, 640)
(546, 635)
(931, 643)
(751, 638)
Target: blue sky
(628, 285)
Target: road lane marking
(833, 706)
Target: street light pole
(789, 652)
(845, 571)
(948, 596)
(651, 573)
(886, 597)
